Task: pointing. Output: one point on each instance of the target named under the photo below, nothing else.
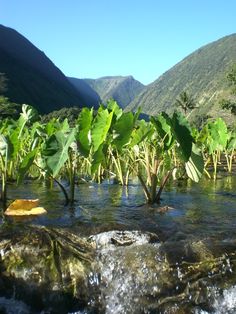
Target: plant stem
(63, 190)
(163, 183)
(145, 189)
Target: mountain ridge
(123, 89)
(32, 77)
(201, 74)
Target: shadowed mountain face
(32, 77)
(123, 89)
(87, 92)
(202, 74)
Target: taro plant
(13, 146)
(102, 139)
(4, 160)
(121, 131)
(230, 150)
(214, 137)
(167, 146)
(56, 152)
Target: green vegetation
(186, 102)
(111, 144)
(9, 109)
(201, 75)
(70, 113)
(230, 102)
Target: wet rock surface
(113, 239)
(47, 268)
(56, 271)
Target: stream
(145, 260)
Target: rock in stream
(53, 270)
(46, 268)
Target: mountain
(32, 78)
(123, 89)
(86, 91)
(202, 75)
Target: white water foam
(121, 261)
(223, 304)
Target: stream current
(189, 268)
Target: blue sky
(143, 38)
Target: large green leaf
(51, 127)
(114, 107)
(98, 158)
(217, 135)
(231, 145)
(15, 143)
(122, 130)
(28, 113)
(56, 151)
(84, 122)
(25, 165)
(142, 131)
(195, 165)
(6, 147)
(183, 135)
(100, 128)
(3, 145)
(163, 126)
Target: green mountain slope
(123, 89)
(32, 77)
(202, 74)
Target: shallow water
(204, 209)
(199, 212)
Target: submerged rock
(171, 277)
(113, 239)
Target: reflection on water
(204, 209)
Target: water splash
(224, 303)
(125, 275)
(227, 302)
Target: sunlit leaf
(114, 107)
(163, 126)
(98, 158)
(84, 122)
(195, 165)
(25, 165)
(55, 151)
(141, 131)
(100, 128)
(122, 130)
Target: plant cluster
(114, 144)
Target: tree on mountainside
(231, 76)
(186, 102)
(3, 83)
(230, 103)
(70, 113)
(8, 109)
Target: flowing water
(188, 268)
